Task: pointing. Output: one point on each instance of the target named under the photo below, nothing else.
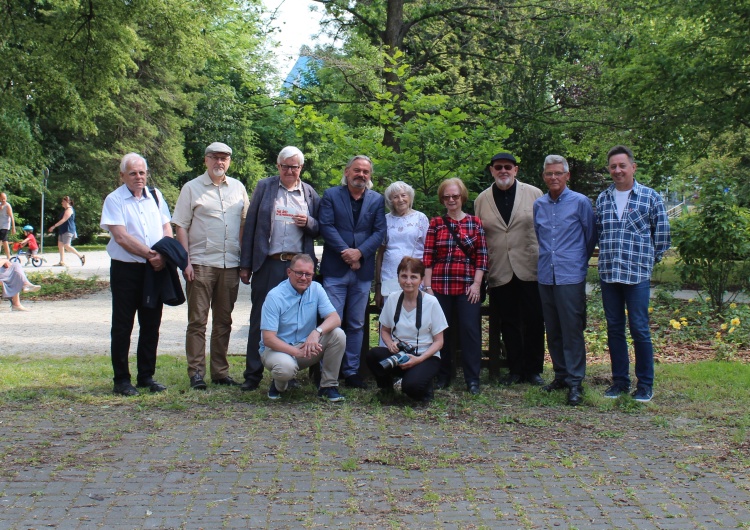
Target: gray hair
(398, 187)
(556, 159)
(304, 258)
(288, 152)
(349, 164)
(621, 150)
(128, 159)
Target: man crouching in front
(290, 339)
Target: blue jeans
(615, 298)
(349, 295)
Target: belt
(282, 256)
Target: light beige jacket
(512, 247)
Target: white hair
(556, 159)
(288, 152)
(128, 159)
(398, 187)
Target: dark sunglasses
(506, 167)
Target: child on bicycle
(30, 240)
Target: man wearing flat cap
(209, 217)
(507, 212)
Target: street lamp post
(45, 172)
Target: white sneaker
(31, 288)
(397, 385)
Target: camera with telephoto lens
(401, 357)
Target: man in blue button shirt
(290, 340)
(634, 234)
(566, 231)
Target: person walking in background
(66, 231)
(566, 231)
(137, 218)
(282, 221)
(208, 217)
(7, 223)
(506, 209)
(352, 223)
(633, 230)
(455, 257)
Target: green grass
(62, 284)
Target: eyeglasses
(451, 197)
(284, 167)
(300, 274)
(500, 167)
(556, 174)
(219, 158)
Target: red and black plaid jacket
(453, 271)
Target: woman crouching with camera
(411, 327)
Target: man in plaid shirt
(633, 230)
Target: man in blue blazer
(281, 222)
(352, 222)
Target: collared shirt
(630, 245)
(285, 235)
(292, 315)
(453, 271)
(504, 200)
(142, 219)
(212, 215)
(566, 231)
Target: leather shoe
(125, 389)
(511, 379)
(197, 382)
(535, 379)
(442, 382)
(556, 384)
(354, 381)
(152, 385)
(474, 389)
(249, 385)
(575, 395)
(226, 381)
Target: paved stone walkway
(302, 465)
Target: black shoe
(511, 379)
(125, 389)
(473, 389)
(249, 385)
(556, 384)
(535, 379)
(442, 382)
(354, 381)
(152, 385)
(575, 395)
(292, 384)
(226, 381)
(197, 382)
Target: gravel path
(82, 325)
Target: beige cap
(218, 147)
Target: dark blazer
(256, 237)
(164, 286)
(338, 230)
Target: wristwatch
(319, 330)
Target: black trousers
(270, 274)
(522, 324)
(126, 282)
(416, 382)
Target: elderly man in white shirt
(209, 217)
(136, 217)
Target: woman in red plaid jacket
(455, 257)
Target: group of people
(527, 250)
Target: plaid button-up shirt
(452, 271)
(629, 246)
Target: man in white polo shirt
(136, 218)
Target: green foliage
(713, 243)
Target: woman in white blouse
(406, 230)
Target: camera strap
(397, 314)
